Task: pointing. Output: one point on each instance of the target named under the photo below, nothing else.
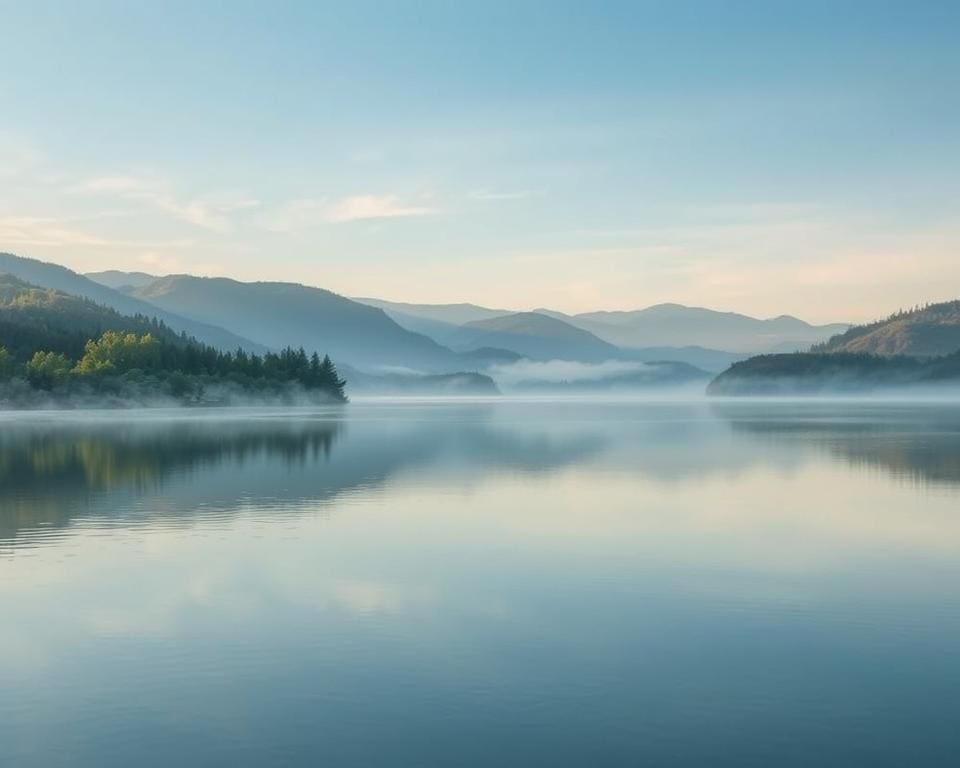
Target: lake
(488, 583)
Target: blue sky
(762, 157)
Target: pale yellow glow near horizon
(819, 272)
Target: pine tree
(330, 380)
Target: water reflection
(914, 442)
(96, 466)
(56, 470)
(566, 584)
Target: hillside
(679, 326)
(32, 318)
(59, 278)
(536, 336)
(927, 332)
(441, 332)
(58, 350)
(441, 322)
(825, 373)
(276, 314)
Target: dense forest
(60, 349)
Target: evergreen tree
(330, 380)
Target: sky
(763, 157)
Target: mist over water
(526, 581)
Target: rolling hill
(275, 314)
(56, 277)
(536, 336)
(676, 325)
(441, 322)
(672, 327)
(832, 373)
(928, 332)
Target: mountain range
(535, 336)
(390, 346)
(662, 325)
(372, 333)
(448, 336)
(380, 337)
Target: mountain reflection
(51, 473)
(55, 473)
(918, 443)
(113, 470)
(108, 457)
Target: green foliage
(34, 318)
(50, 335)
(117, 364)
(119, 353)
(47, 369)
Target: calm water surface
(481, 584)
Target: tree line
(181, 369)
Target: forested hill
(59, 278)
(61, 350)
(929, 331)
(33, 318)
(823, 373)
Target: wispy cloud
(311, 211)
(373, 207)
(36, 230)
(63, 231)
(210, 212)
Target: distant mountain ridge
(277, 313)
(448, 335)
(536, 336)
(662, 325)
(679, 325)
(929, 331)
